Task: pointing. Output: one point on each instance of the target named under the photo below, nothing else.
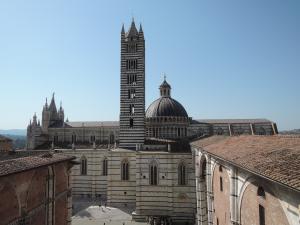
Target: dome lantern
(165, 88)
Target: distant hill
(17, 135)
(19, 141)
(295, 132)
(21, 132)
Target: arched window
(55, 139)
(182, 174)
(130, 122)
(203, 169)
(261, 192)
(93, 138)
(153, 175)
(200, 132)
(239, 131)
(220, 168)
(111, 138)
(261, 131)
(219, 131)
(178, 132)
(83, 165)
(73, 138)
(124, 170)
(104, 169)
(131, 108)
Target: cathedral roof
(93, 124)
(166, 106)
(231, 121)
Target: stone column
(234, 196)
(209, 191)
(251, 128)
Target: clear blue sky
(224, 59)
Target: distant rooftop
(59, 124)
(93, 124)
(232, 121)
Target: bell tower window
(131, 64)
(131, 79)
(131, 109)
(131, 93)
(131, 123)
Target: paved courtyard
(90, 213)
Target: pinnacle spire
(132, 30)
(141, 29)
(123, 30)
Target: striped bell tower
(132, 99)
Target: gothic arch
(83, 165)
(253, 182)
(219, 131)
(125, 169)
(111, 138)
(104, 166)
(261, 131)
(153, 172)
(37, 188)
(11, 207)
(182, 172)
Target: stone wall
(94, 183)
(169, 197)
(83, 135)
(121, 193)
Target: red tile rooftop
(275, 157)
(21, 164)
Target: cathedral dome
(167, 107)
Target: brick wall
(24, 196)
(221, 197)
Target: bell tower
(132, 94)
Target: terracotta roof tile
(275, 157)
(30, 162)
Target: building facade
(6, 144)
(146, 161)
